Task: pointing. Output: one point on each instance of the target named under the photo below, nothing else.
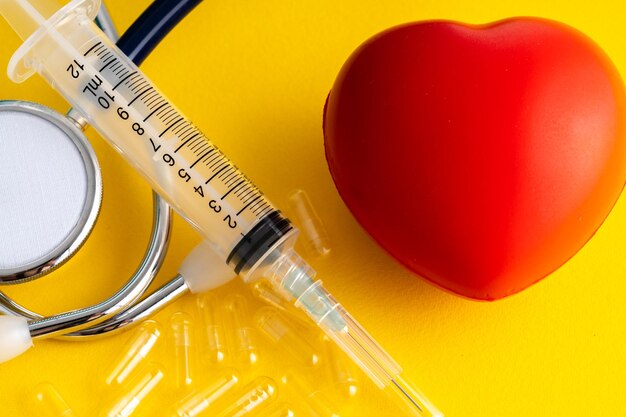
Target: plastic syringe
(180, 163)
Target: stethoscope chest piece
(50, 190)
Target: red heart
(480, 157)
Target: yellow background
(254, 75)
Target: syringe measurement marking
(232, 189)
(185, 142)
(185, 129)
(215, 174)
(112, 60)
(218, 163)
(186, 133)
(232, 180)
(150, 97)
(166, 112)
(202, 149)
(243, 193)
(169, 115)
(116, 67)
(260, 207)
(255, 190)
(202, 157)
(177, 131)
(140, 83)
(156, 101)
(124, 79)
(134, 82)
(140, 94)
(171, 125)
(194, 143)
(211, 162)
(213, 159)
(227, 174)
(139, 86)
(252, 198)
(248, 205)
(92, 48)
(100, 50)
(255, 205)
(198, 147)
(268, 209)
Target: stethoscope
(69, 186)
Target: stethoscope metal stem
(153, 303)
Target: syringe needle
(293, 278)
(412, 398)
(374, 360)
(407, 396)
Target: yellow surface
(254, 75)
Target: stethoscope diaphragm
(50, 190)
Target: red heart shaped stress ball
(480, 157)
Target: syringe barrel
(172, 154)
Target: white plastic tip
(14, 337)
(204, 269)
(26, 16)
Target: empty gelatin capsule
(212, 347)
(136, 350)
(198, 401)
(263, 290)
(281, 410)
(313, 233)
(253, 398)
(244, 347)
(312, 398)
(341, 370)
(49, 403)
(278, 330)
(183, 349)
(134, 392)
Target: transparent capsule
(278, 330)
(140, 344)
(134, 392)
(199, 401)
(341, 370)
(314, 401)
(244, 347)
(49, 403)
(183, 349)
(263, 290)
(281, 410)
(213, 346)
(254, 397)
(313, 233)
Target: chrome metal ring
(16, 268)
